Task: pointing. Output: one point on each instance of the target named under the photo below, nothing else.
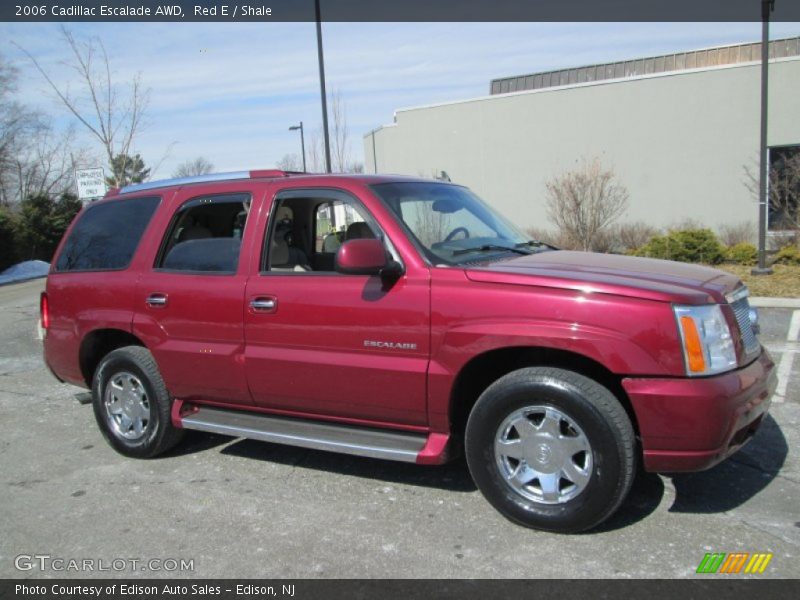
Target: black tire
(133, 366)
(591, 414)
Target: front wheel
(132, 405)
(551, 449)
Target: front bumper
(692, 424)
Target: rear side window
(106, 235)
(206, 235)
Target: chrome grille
(741, 308)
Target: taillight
(44, 310)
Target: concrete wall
(678, 142)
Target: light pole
(322, 91)
(302, 142)
(767, 6)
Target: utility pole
(322, 91)
(767, 6)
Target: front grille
(741, 308)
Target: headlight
(706, 340)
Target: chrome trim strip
(211, 177)
(737, 294)
(345, 439)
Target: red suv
(401, 319)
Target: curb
(765, 302)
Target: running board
(333, 437)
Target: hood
(660, 280)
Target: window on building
(784, 188)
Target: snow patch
(30, 269)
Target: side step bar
(346, 439)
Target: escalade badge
(390, 345)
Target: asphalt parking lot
(237, 508)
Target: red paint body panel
(79, 304)
(691, 424)
(351, 349)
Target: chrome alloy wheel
(127, 405)
(543, 455)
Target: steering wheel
(455, 232)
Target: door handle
(264, 304)
(156, 300)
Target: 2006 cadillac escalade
(402, 319)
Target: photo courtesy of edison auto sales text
(124, 589)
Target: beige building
(678, 132)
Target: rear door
(321, 343)
(189, 301)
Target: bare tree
(46, 166)
(197, 166)
(340, 151)
(315, 151)
(289, 162)
(585, 202)
(341, 157)
(731, 234)
(783, 188)
(630, 236)
(17, 125)
(35, 158)
(111, 115)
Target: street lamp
(321, 60)
(767, 6)
(302, 142)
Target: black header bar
(397, 10)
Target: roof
(638, 67)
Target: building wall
(679, 142)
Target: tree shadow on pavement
(737, 479)
(453, 476)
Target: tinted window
(106, 236)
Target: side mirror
(361, 257)
(368, 257)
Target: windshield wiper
(489, 248)
(535, 243)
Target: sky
(230, 91)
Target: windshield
(450, 223)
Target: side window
(106, 235)
(335, 221)
(205, 235)
(330, 224)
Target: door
(321, 343)
(189, 305)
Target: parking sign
(91, 183)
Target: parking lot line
(787, 357)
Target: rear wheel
(551, 449)
(132, 405)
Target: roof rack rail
(208, 178)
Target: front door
(321, 343)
